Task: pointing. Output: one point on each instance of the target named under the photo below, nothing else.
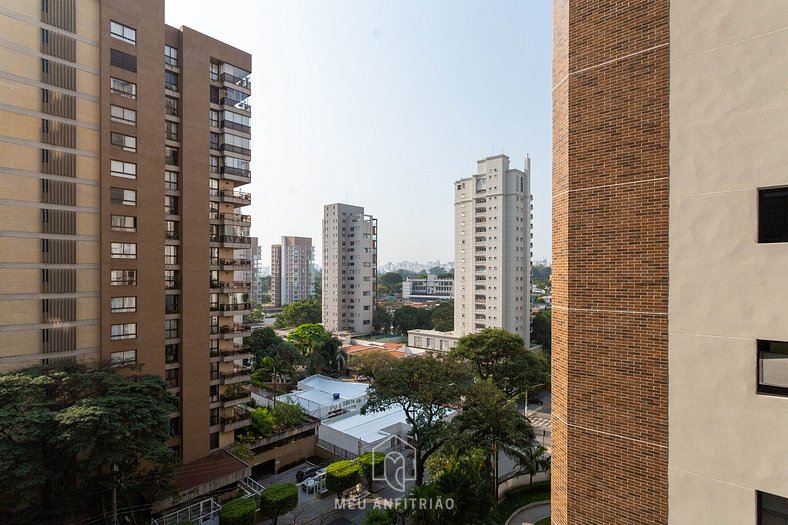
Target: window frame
(124, 359)
(126, 116)
(123, 32)
(125, 250)
(124, 308)
(168, 84)
(128, 277)
(126, 142)
(764, 345)
(171, 180)
(121, 83)
(125, 200)
(169, 58)
(123, 169)
(116, 228)
(124, 334)
(763, 238)
(122, 60)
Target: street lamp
(526, 395)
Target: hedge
(238, 512)
(278, 499)
(341, 475)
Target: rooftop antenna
(493, 150)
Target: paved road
(530, 516)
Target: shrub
(380, 517)
(287, 415)
(238, 512)
(278, 499)
(371, 465)
(262, 422)
(341, 475)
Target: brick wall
(610, 267)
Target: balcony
(238, 352)
(235, 398)
(229, 124)
(239, 419)
(230, 286)
(232, 241)
(236, 330)
(235, 218)
(242, 105)
(235, 149)
(235, 308)
(235, 264)
(244, 82)
(236, 174)
(238, 376)
(235, 197)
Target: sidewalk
(530, 515)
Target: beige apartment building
(292, 270)
(350, 261)
(122, 144)
(670, 250)
(492, 248)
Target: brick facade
(610, 261)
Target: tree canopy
(370, 363)
(320, 347)
(542, 329)
(410, 318)
(278, 499)
(300, 312)
(442, 317)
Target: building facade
(104, 239)
(679, 218)
(430, 288)
(292, 270)
(432, 340)
(350, 244)
(492, 248)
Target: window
(237, 121)
(123, 277)
(213, 116)
(236, 144)
(121, 32)
(123, 304)
(170, 229)
(170, 80)
(772, 510)
(214, 71)
(170, 130)
(170, 205)
(123, 115)
(236, 164)
(171, 106)
(213, 140)
(45, 36)
(171, 56)
(44, 65)
(171, 353)
(171, 155)
(123, 250)
(123, 88)
(170, 328)
(44, 95)
(123, 60)
(773, 367)
(124, 170)
(171, 377)
(170, 254)
(123, 196)
(127, 357)
(773, 215)
(171, 279)
(171, 304)
(124, 142)
(214, 162)
(123, 331)
(124, 223)
(171, 180)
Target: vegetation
(541, 272)
(371, 363)
(541, 329)
(442, 317)
(297, 313)
(371, 465)
(520, 497)
(270, 352)
(390, 283)
(460, 474)
(267, 421)
(408, 318)
(238, 512)
(382, 324)
(63, 430)
(341, 476)
(533, 460)
(320, 348)
(278, 499)
(380, 517)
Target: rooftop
(368, 427)
(319, 389)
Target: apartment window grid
(123, 358)
(123, 304)
(123, 223)
(123, 32)
(123, 250)
(123, 196)
(124, 88)
(170, 328)
(123, 277)
(170, 255)
(124, 170)
(171, 180)
(171, 56)
(123, 115)
(123, 331)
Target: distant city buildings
(292, 270)
(255, 277)
(349, 268)
(430, 288)
(413, 266)
(492, 279)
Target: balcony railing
(231, 285)
(237, 197)
(235, 307)
(239, 419)
(229, 124)
(237, 104)
(237, 376)
(236, 174)
(237, 352)
(235, 217)
(235, 149)
(244, 82)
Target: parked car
(306, 472)
(535, 401)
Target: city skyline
(421, 91)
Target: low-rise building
(432, 340)
(322, 397)
(353, 434)
(430, 288)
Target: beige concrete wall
(729, 127)
(20, 312)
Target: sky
(384, 104)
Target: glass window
(123, 250)
(171, 279)
(213, 140)
(124, 88)
(214, 161)
(213, 116)
(236, 143)
(123, 331)
(126, 170)
(170, 254)
(171, 155)
(171, 56)
(124, 142)
(122, 32)
(123, 115)
(170, 205)
(772, 510)
(773, 367)
(236, 163)
(171, 304)
(237, 118)
(171, 353)
(123, 277)
(171, 80)
(123, 196)
(170, 328)
(127, 357)
(214, 71)
(123, 304)
(123, 60)
(171, 378)
(773, 215)
(170, 130)
(171, 106)
(171, 229)
(170, 180)
(124, 223)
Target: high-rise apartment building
(492, 248)
(292, 270)
(257, 272)
(670, 210)
(350, 258)
(123, 142)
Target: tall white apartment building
(349, 268)
(292, 270)
(492, 245)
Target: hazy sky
(383, 104)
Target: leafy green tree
(370, 363)
(262, 421)
(486, 348)
(442, 317)
(461, 474)
(410, 318)
(390, 283)
(380, 517)
(371, 465)
(238, 512)
(426, 388)
(437, 270)
(287, 414)
(341, 475)
(542, 329)
(320, 347)
(523, 371)
(532, 460)
(383, 320)
(541, 272)
(64, 429)
(300, 312)
(264, 343)
(278, 499)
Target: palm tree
(533, 460)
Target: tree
(383, 320)
(341, 475)
(297, 313)
(437, 270)
(426, 388)
(287, 414)
(319, 286)
(525, 370)
(542, 329)
(262, 421)
(532, 460)
(541, 272)
(238, 512)
(460, 474)
(320, 347)
(278, 499)
(408, 318)
(486, 348)
(442, 317)
(370, 363)
(70, 425)
(371, 465)
(380, 517)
